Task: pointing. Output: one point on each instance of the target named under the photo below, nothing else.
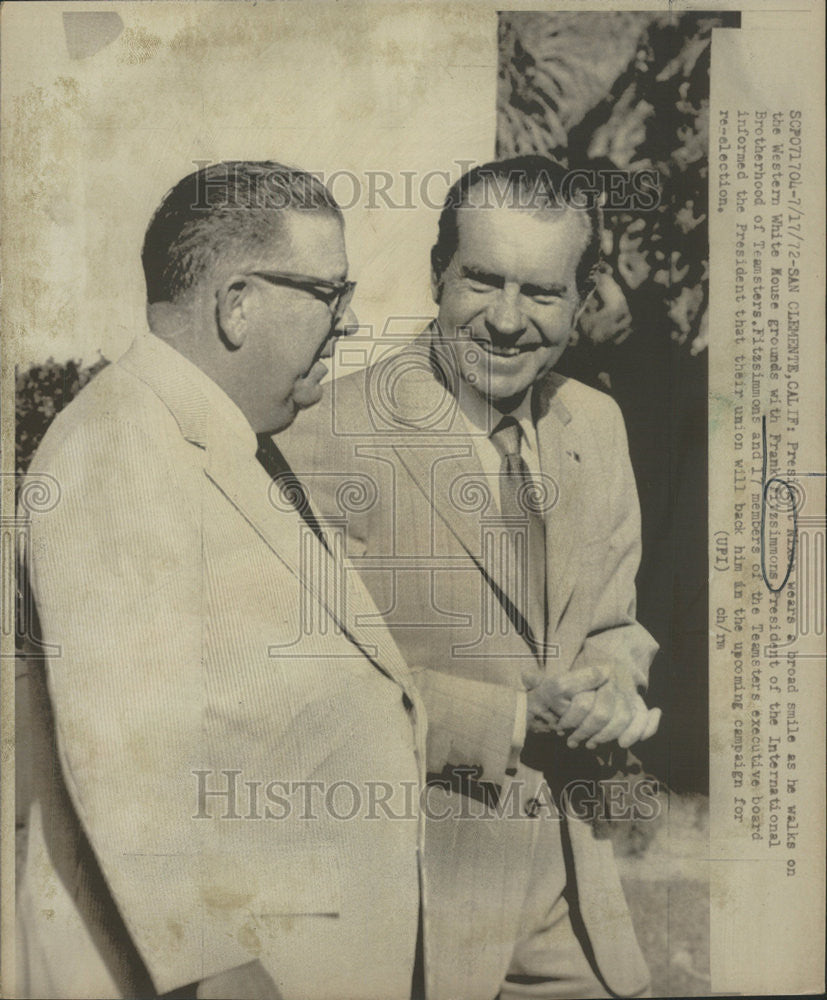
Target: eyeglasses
(336, 295)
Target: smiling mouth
(505, 351)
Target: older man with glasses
(202, 669)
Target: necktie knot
(506, 436)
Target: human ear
(232, 311)
(437, 273)
(436, 285)
(581, 305)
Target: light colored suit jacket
(423, 535)
(196, 649)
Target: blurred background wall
(105, 110)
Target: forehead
(522, 244)
(316, 244)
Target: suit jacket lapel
(560, 460)
(444, 462)
(447, 472)
(238, 475)
(327, 575)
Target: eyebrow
(553, 289)
(486, 277)
(497, 280)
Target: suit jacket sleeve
(116, 574)
(472, 724)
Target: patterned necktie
(276, 466)
(526, 528)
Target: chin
(306, 400)
(503, 388)
(282, 420)
(497, 389)
(306, 392)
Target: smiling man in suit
(201, 672)
(501, 545)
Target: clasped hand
(589, 705)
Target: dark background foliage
(630, 91)
(41, 392)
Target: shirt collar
(483, 417)
(223, 425)
(227, 424)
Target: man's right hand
(549, 696)
(245, 982)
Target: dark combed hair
(535, 183)
(235, 205)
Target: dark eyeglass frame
(336, 295)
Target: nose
(345, 326)
(504, 315)
(348, 324)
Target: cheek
(557, 329)
(471, 358)
(295, 355)
(550, 358)
(457, 309)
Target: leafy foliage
(42, 391)
(623, 91)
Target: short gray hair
(227, 206)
